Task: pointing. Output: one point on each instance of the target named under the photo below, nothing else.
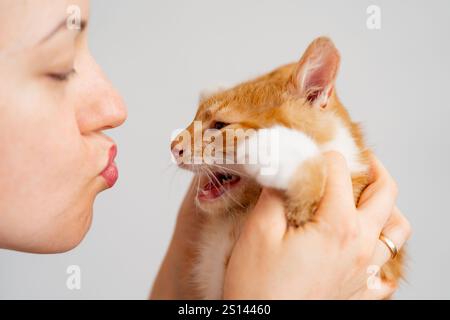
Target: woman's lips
(111, 173)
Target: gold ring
(390, 244)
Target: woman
(56, 159)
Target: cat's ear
(315, 74)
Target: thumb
(337, 204)
(268, 216)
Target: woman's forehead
(23, 23)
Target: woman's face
(55, 104)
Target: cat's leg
(292, 163)
(305, 190)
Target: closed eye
(61, 77)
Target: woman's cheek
(47, 172)
(56, 200)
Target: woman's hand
(326, 259)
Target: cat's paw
(298, 216)
(279, 152)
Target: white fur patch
(280, 152)
(215, 246)
(344, 143)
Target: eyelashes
(62, 77)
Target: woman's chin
(79, 227)
(61, 234)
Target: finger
(268, 216)
(378, 199)
(398, 230)
(384, 290)
(337, 203)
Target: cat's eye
(61, 77)
(218, 125)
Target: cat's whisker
(198, 185)
(226, 192)
(172, 178)
(169, 166)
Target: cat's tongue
(210, 191)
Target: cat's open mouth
(217, 185)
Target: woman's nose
(101, 107)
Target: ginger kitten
(297, 104)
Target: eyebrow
(61, 26)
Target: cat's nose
(177, 151)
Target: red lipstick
(111, 173)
